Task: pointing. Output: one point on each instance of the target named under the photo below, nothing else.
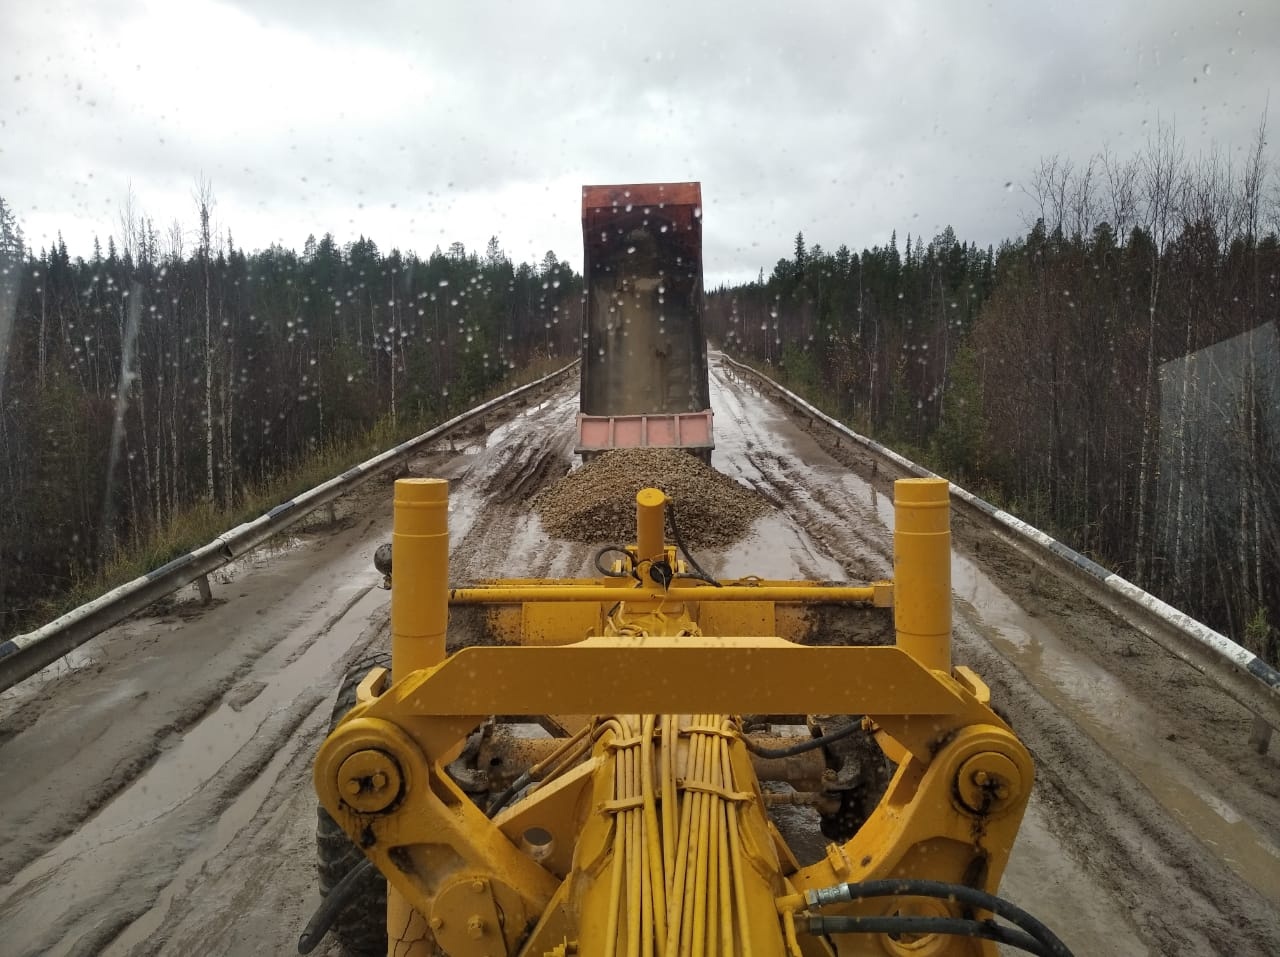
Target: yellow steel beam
(486, 594)
(658, 675)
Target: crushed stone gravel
(597, 502)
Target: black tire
(361, 927)
(863, 772)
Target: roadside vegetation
(1112, 376)
(161, 390)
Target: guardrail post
(1260, 735)
(922, 570)
(206, 593)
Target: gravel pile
(597, 503)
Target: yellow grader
(642, 819)
(641, 826)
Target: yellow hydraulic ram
(645, 830)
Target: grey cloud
(846, 121)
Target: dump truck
(644, 361)
(599, 766)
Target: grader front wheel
(361, 927)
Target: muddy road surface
(157, 785)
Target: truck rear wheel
(361, 927)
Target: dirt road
(157, 789)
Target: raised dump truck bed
(644, 366)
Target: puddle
(1088, 694)
(1113, 716)
(206, 748)
(775, 548)
(1058, 892)
(548, 408)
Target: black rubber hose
(608, 572)
(953, 926)
(809, 744)
(503, 797)
(941, 890)
(693, 563)
(331, 907)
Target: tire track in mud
(180, 685)
(836, 522)
(247, 881)
(97, 910)
(1178, 896)
(489, 513)
(87, 785)
(1177, 893)
(838, 527)
(204, 699)
(492, 525)
(534, 460)
(505, 530)
(270, 903)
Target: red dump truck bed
(644, 363)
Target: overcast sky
(423, 123)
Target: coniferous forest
(1112, 375)
(159, 374)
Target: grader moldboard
(640, 826)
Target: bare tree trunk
(175, 475)
(42, 333)
(1242, 530)
(228, 419)
(1188, 372)
(391, 352)
(204, 198)
(1163, 162)
(1254, 181)
(147, 484)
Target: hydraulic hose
(693, 563)
(809, 744)
(1047, 942)
(605, 570)
(331, 907)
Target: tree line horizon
(144, 379)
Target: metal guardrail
(1239, 672)
(24, 655)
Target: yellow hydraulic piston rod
(420, 587)
(419, 620)
(651, 507)
(922, 570)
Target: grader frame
(646, 830)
